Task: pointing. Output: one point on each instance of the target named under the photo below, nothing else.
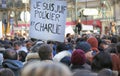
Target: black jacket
(81, 67)
(14, 65)
(79, 26)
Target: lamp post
(76, 9)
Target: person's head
(114, 39)
(80, 40)
(10, 54)
(32, 57)
(84, 73)
(68, 35)
(1, 45)
(102, 60)
(1, 58)
(2, 49)
(94, 43)
(7, 46)
(16, 45)
(111, 48)
(61, 47)
(85, 46)
(84, 37)
(103, 44)
(45, 52)
(45, 69)
(6, 72)
(118, 47)
(29, 44)
(78, 57)
(22, 55)
(69, 46)
(35, 48)
(107, 72)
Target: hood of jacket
(61, 55)
(12, 64)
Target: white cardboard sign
(48, 20)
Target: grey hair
(45, 68)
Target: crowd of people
(86, 55)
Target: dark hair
(49, 42)
(10, 54)
(7, 46)
(112, 48)
(17, 43)
(69, 46)
(45, 52)
(61, 47)
(80, 40)
(35, 48)
(118, 47)
(114, 39)
(22, 55)
(6, 72)
(102, 60)
(68, 34)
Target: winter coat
(14, 65)
(81, 67)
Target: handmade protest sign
(48, 19)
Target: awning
(72, 23)
(22, 25)
(93, 22)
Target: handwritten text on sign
(48, 20)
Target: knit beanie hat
(85, 46)
(94, 43)
(78, 57)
